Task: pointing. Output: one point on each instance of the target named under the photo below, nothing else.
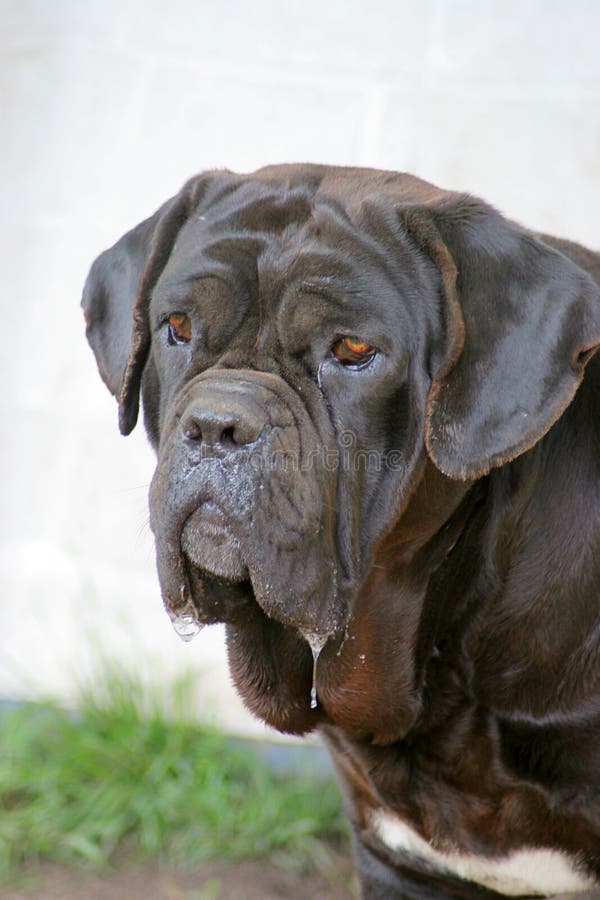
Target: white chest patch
(541, 872)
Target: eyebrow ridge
(327, 291)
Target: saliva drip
(313, 691)
(186, 626)
(316, 642)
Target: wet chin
(212, 548)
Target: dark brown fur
(458, 581)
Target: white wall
(106, 107)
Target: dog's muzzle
(241, 506)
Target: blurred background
(106, 108)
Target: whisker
(143, 528)
(135, 487)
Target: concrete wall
(107, 106)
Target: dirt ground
(255, 880)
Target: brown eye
(352, 351)
(179, 329)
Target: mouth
(214, 568)
(232, 541)
(217, 575)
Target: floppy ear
(116, 295)
(521, 322)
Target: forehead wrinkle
(331, 244)
(368, 241)
(172, 288)
(228, 258)
(297, 263)
(356, 245)
(264, 208)
(273, 269)
(233, 251)
(269, 284)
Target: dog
(376, 411)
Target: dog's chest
(539, 872)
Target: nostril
(228, 437)
(191, 430)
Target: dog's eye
(179, 329)
(352, 351)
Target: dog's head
(328, 358)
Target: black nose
(217, 427)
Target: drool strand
(313, 691)
(316, 642)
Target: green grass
(130, 775)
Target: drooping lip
(207, 596)
(211, 515)
(195, 595)
(209, 543)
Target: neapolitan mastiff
(379, 465)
